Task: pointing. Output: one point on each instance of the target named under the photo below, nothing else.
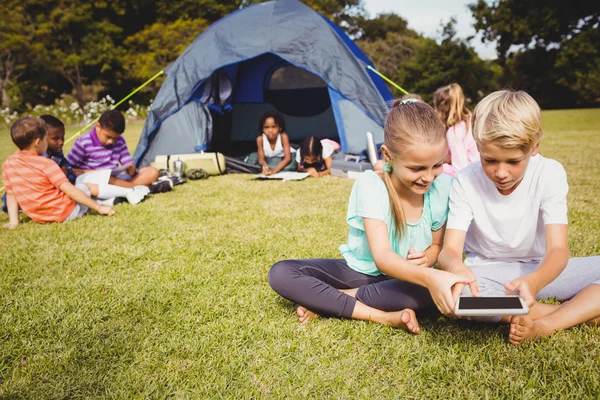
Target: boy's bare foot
(405, 319)
(305, 315)
(523, 329)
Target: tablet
(490, 306)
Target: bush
(73, 114)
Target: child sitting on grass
(104, 148)
(509, 213)
(314, 156)
(396, 221)
(38, 185)
(274, 153)
(56, 139)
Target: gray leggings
(579, 273)
(314, 284)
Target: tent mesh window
(296, 92)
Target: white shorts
(79, 210)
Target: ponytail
(395, 206)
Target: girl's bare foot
(523, 329)
(405, 319)
(305, 315)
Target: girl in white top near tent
(314, 156)
(274, 153)
(509, 213)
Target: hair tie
(387, 167)
(407, 101)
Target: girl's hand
(440, 285)
(312, 172)
(418, 258)
(266, 170)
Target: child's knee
(280, 274)
(152, 172)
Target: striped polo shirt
(34, 181)
(89, 153)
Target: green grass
(169, 299)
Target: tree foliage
(91, 48)
(549, 48)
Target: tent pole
(387, 79)
(76, 135)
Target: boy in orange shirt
(38, 185)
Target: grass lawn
(169, 299)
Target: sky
(424, 16)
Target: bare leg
(144, 177)
(583, 308)
(305, 315)
(121, 182)
(405, 319)
(93, 188)
(537, 311)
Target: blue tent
(279, 54)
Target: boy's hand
(106, 210)
(131, 170)
(417, 257)
(526, 287)
(10, 225)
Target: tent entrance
(268, 82)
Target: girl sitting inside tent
(314, 156)
(274, 153)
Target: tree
(16, 47)
(549, 48)
(453, 60)
(80, 40)
(543, 23)
(158, 45)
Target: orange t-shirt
(34, 181)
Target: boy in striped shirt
(38, 185)
(104, 148)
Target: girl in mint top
(397, 220)
(369, 199)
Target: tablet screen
(489, 303)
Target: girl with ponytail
(397, 220)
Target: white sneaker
(137, 194)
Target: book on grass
(284, 176)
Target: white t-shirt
(508, 228)
(328, 150)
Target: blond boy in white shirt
(509, 214)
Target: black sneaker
(176, 180)
(161, 186)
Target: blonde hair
(408, 123)
(449, 102)
(511, 118)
